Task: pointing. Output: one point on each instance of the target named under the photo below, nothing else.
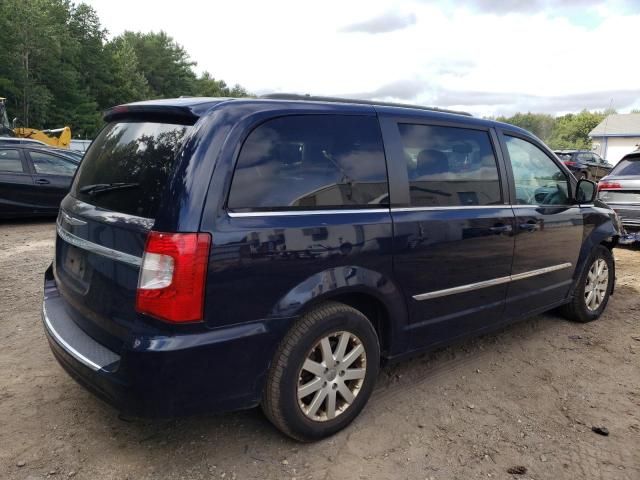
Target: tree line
(563, 132)
(58, 67)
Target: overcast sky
(488, 57)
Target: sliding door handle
(530, 226)
(500, 228)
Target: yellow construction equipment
(59, 137)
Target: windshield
(128, 165)
(627, 166)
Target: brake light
(172, 277)
(609, 186)
(570, 164)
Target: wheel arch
(604, 234)
(372, 293)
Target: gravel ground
(527, 396)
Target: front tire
(594, 287)
(323, 373)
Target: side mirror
(586, 191)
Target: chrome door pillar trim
(489, 283)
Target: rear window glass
(627, 167)
(311, 162)
(128, 165)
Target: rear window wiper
(97, 188)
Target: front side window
(538, 180)
(46, 164)
(308, 162)
(450, 166)
(10, 162)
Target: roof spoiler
(181, 114)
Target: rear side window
(450, 166)
(306, 162)
(627, 166)
(10, 161)
(128, 165)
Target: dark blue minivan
(218, 254)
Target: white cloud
(422, 51)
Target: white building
(616, 135)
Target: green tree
(540, 124)
(57, 67)
(207, 86)
(572, 130)
(165, 65)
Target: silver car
(621, 190)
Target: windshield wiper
(97, 188)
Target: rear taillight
(609, 186)
(570, 164)
(172, 276)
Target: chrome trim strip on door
(97, 249)
(449, 207)
(462, 288)
(489, 283)
(540, 271)
(72, 351)
(284, 213)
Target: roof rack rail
(315, 98)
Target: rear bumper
(165, 376)
(629, 215)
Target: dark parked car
(585, 163)
(33, 180)
(4, 141)
(621, 190)
(72, 155)
(219, 254)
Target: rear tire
(308, 362)
(593, 289)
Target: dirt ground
(526, 396)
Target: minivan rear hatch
(103, 223)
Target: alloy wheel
(331, 376)
(595, 290)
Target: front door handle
(42, 181)
(530, 226)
